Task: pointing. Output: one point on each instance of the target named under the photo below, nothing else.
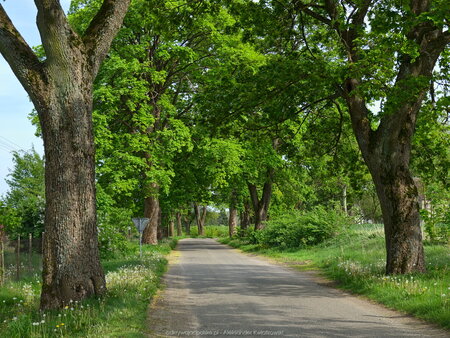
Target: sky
(16, 131)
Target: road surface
(214, 291)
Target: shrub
(296, 229)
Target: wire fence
(20, 258)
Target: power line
(9, 143)
(8, 150)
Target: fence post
(18, 258)
(30, 251)
(2, 261)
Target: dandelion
(42, 321)
(14, 318)
(443, 295)
(35, 324)
(66, 307)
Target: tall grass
(356, 260)
(211, 231)
(131, 283)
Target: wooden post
(18, 258)
(2, 261)
(30, 252)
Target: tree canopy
(264, 108)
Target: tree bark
(151, 211)
(171, 227)
(61, 91)
(179, 224)
(200, 217)
(232, 219)
(71, 265)
(246, 215)
(261, 206)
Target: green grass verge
(122, 312)
(356, 260)
(211, 231)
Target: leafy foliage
(296, 229)
(23, 206)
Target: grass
(120, 313)
(356, 260)
(28, 268)
(211, 231)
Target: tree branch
(102, 30)
(305, 8)
(53, 29)
(21, 58)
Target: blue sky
(16, 131)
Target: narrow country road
(214, 291)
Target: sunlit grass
(121, 312)
(211, 231)
(356, 260)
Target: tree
(60, 87)
(391, 49)
(144, 89)
(26, 196)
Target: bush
(296, 229)
(113, 227)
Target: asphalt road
(214, 291)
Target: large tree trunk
(398, 198)
(61, 91)
(386, 152)
(261, 206)
(387, 155)
(71, 265)
(151, 211)
(179, 224)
